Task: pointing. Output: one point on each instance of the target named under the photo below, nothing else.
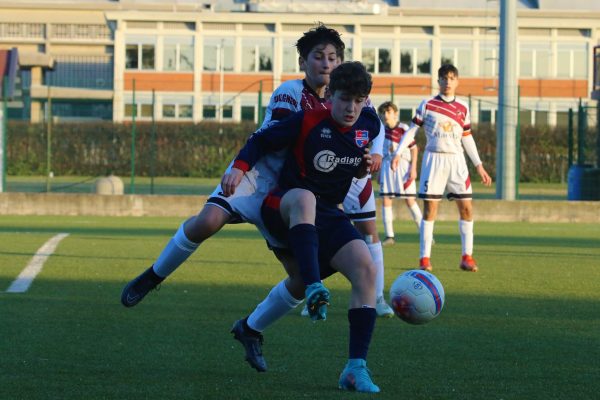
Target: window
(348, 50)
(377, 56)
(458, 53)
(525, 117)
(485, 116)
(534, 60)
(218, 49)
(178, 53)
(488, 59)
(541, 118)
(290, 57)
(257, 55)
(571, 60)
(209, 112)
(227, 112)
(248, 113)
(139, 53)
(405, 115)
(177, 107)
(143, 110)
(415, 57)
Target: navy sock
(362, 323)
(304, 244)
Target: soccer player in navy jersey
(446, 121)
(327, 149)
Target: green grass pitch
(527, 326)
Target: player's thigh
(434, 176)
(459, 182)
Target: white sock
(377, 255)
(426, 238)
(278, 303)
(388, 221)
(416, 215)
(466, 236)
(174, 254)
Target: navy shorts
(334, 228)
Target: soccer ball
(417, 296)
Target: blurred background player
(447, 124)
(302, 212)
(399, 181)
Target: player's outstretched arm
(486, 179)
(231, 180)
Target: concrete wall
(184, 206)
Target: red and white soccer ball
(417, 296)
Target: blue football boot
(357, 377)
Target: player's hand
(395, 163)
(365, 165)
(376, 162)
(231, 180)
(486, 179)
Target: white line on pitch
(26, 277)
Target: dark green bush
(205, 149)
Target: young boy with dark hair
(326, 150)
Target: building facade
(192, 60)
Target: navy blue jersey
(323, 157)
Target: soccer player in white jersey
(447, 124)
(400, 181)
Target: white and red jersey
(292, 96)
(445, 124)
(392, 139)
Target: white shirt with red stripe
(445, 123)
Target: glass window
(488, 59)
(185, 111)
(458, 53)
(170, 57)
(215, 48)
(178, 53)
(169, 111)
(415, 57)
(562, 118)
(377, 56)
(485, 116)
(147, 110)
(290, 57)
(348, 50)
(541, 118)
(571, 60)
(368, 59)
(525, 117)
(227, 112)
(405, 115)
(248, 113)
(257, 55)
(209, 112)
(128, 110)
(131, 56)
(535, 60)
(147, 56)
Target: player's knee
(207, 223)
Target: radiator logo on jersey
(361, 138)
(326, 161)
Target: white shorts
(359, 204)
(396, 183)
(245, 204)
(444, 173)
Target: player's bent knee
(208, 222)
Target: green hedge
(199, 150)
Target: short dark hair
(445, 69)
(319, 35)
(385, 105)
(352, 78)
